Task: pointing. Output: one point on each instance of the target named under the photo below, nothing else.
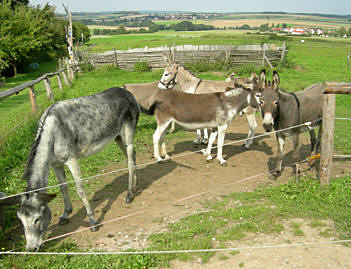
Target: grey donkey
(69, 130)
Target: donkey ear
(45, 197)
(276, 80)
(9, 201)
(262, 80)
(254, 77)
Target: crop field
(290, 19)
(260, 210)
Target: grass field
(311, 62)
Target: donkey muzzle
(268, 127)
(268, 122)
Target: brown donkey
(192, 111)
(177, 74)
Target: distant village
(305, 31)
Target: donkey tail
(151, 110)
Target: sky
(340, 7)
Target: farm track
(163, 185)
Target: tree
(244, 27)
(28, 34)
(80, 29)
(15, 3)
(184, 26)
(263, 27)
(342, 31)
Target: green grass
(261, 211)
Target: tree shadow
(109, 194)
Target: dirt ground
(176, 188)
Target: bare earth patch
(177, 188)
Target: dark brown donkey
(281, 110)
(192, 111)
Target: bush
(141, 67)
(289, 62)
(207, 66)
(86, 67)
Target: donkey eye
(261, 102)
(275, 103)
(36, 222)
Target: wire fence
(308, 124)
(305, 244)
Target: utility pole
(69, 34)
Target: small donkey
(69, 130)
(211, 110)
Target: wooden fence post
(284, 51)
(2, 214)
(59, 81)
(327, 138)
(65, 78)
(33, 99)
(115, 64)
(48, 88)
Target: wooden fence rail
(327, 146)
(157, 57)
(30, 85)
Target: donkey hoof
(209, 160)
(94, 228)
(244, 146)
(129, 198)
(223, 163)
(204, 141)
(63, 221)
(274, 175)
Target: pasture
(230, 209)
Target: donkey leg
(251, 119)
(207, 152)
(205, 139)
(172, 130)
(278, 169)
(164, 154)
(157, 139)
(313, 147)
(198, 137)
(127, 148)
(61, 176)
(75, 170)
(221, 135)
(296, 153)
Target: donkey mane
(188, 70)
(33, 150)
